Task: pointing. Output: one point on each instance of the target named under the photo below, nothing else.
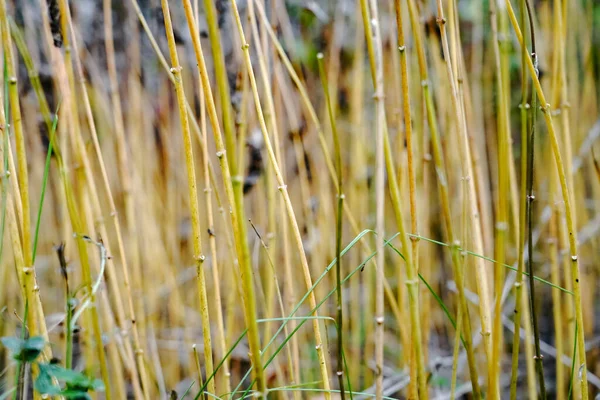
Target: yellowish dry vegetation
(180, 178)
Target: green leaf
(66, 375)
(13, 344)
(24, 350)
(74, 379)
(76, 384)
(32, 348)
(43, 383)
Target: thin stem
(223, 90)
(338, 234)
(212, 242)
(503, 129)
(36, 322)
(239, 227)
(524, 106)
(529, 211)
(407, 128)
(192, 189)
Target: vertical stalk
(213, 245)
(35, 322)
(408, 131)
(193, 192)
(529, 211)
(223, 89)
(503, 134)
(529, 214)
(236, 202)
(524, 107)
(557, 304)
(562, 100)
(338, 234)
(410, 159)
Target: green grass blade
(187, 390)
(288, 338)
(537, 278)
(44, 185)
(573, 363)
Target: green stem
(522, 216)
(44, 185)
(529, 211)
(338, 233)
(235, 201)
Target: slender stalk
(562, 99)
(51, 127)
(62, 260)
(239, 227)
(8, 161)
(192, 189)
(213, 245)
(20, 384)
(524, 107)
(24, 274)
(503, 134)
(197, 362)
(407, 130)
(406, 108)
(223, 90)
(455, 354)
(529, 211)
(557, 313)
(35, 321)
(338, 234)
